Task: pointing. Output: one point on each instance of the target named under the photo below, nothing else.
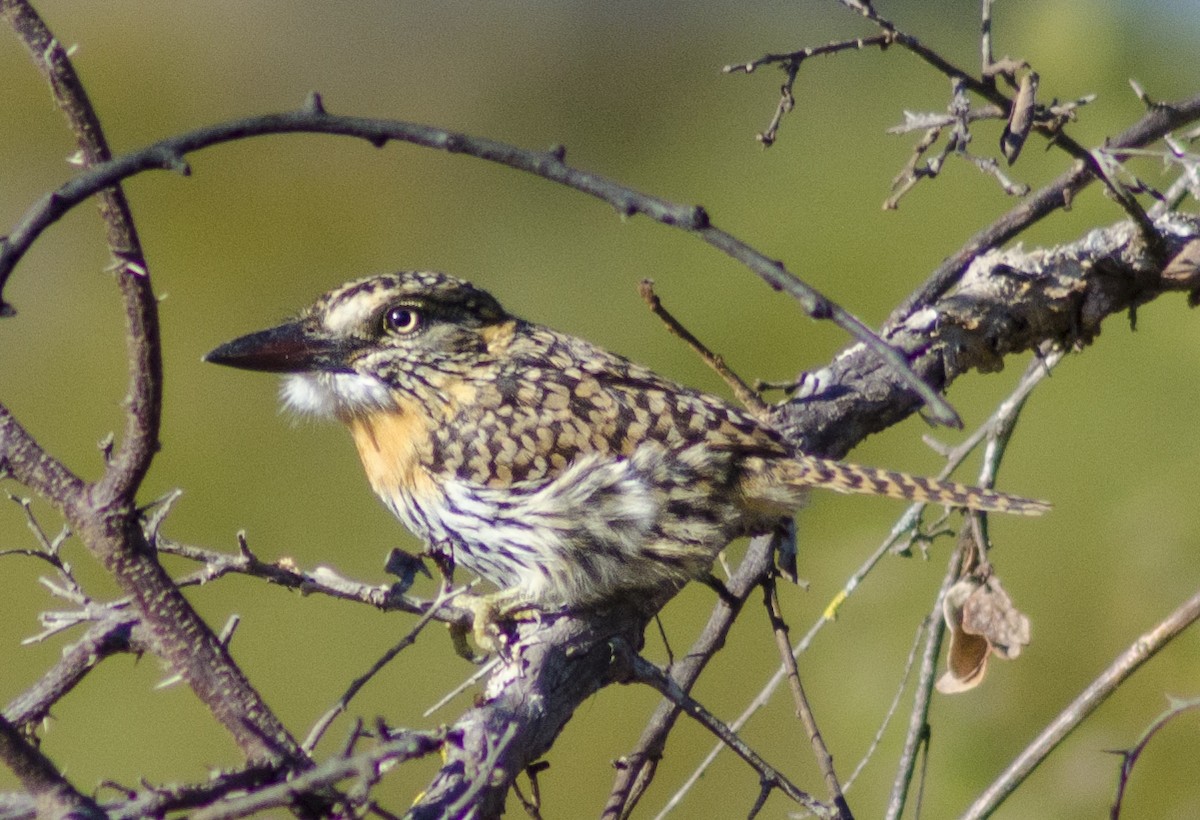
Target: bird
(567, 476)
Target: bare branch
(367, 767)
(320, 581)
(998, 431)
(790, 63)
(803, 710)
(1129, 757)
(548, 165)
(1128, 662)
(918, 722)
(1153, 126)
(744, 393)
(103, 514)
(116, 633)
(319, 729)
(636, 770)
(25, 460)
(1022, 299)
(648, 673)
(549, 670)
(144, 399)
(53, 795)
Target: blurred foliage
(634, 91)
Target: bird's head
(361, 347)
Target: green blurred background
(634, 90)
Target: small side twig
(479, 674)
(322, 580)
(790, 63)
(1129, 757)
(648, 673)
(114, 634)
(893, 708)
(803, 710)
(745, 394)
(445, 595)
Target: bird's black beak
(289, 348)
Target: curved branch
(144, 399)
(169, 153)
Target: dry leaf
(982, 620)
(990, 612)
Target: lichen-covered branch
(1008, 301)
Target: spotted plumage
(562, 473)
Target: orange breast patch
(391, 446)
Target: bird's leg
(489, 612)
(482, 612)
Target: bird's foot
(491, 616)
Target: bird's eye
(401, 319)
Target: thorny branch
(1129, 757)
(104, 514)
(1004, 305)
(169, 153)
(1048, 120)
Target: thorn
(1141, 94)
(313, 104)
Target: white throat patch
(335, 395)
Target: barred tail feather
(852, 478)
